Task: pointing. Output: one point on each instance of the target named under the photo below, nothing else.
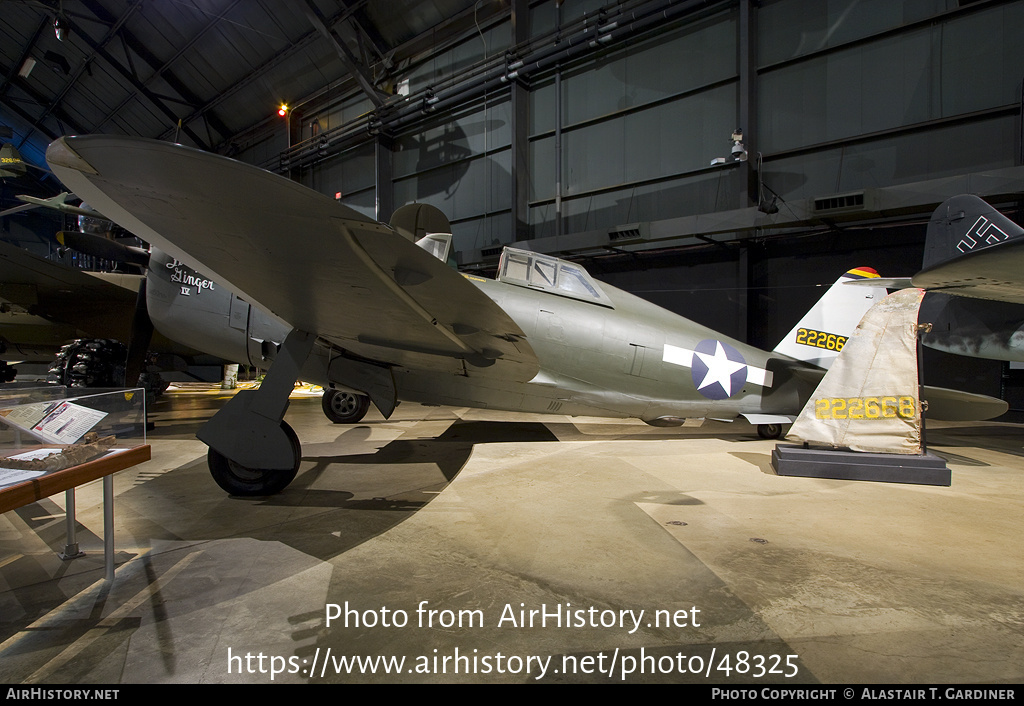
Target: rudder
(962, 225)
(821, 333)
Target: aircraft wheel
(769, 431)
(7, 373)
(236, 479)
(344, 407)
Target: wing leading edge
(299, 254)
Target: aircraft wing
(63, 294)
(972, 250)
(17, 209)
(315, 263)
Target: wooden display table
(34, 489)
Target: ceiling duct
(629, 233)
(852, 202)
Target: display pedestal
(922, 469)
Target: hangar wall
(837, 95)
(832, 96)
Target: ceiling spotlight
(26, 67)
(59, 28)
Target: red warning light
(283, 110)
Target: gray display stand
(923, 469)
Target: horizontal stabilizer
(887, 282)
(956, 406)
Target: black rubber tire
(344, 407)
(769, 431)
(249, 482)
(7, 373)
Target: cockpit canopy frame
(547, 273)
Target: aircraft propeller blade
(142, 335)
(98, 246)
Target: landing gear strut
(252, 450)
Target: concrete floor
(485, 517)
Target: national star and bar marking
(718, 369)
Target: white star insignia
(720, 369)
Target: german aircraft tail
(974, 251)
(963, 225)
(821, 333)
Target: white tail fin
(822, 332)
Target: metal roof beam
(154, 63)
(167, 64)
(351, 63)
(364, 30)
(127, 74)
(39, 99)
(245, 80)
(23, 114)
(9, 76)
(97, 48)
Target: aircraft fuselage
(629, 358)
(633, 360)
(978, 328)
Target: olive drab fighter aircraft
(374, 312)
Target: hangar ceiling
(217, 67)
(506, 103)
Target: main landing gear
(252, 450)
(237, 479)
(769, 431)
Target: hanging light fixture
(60, 25)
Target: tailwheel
(343, 407)
(769, 431)
(237, 479)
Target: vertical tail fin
(11, 163)
(965, 224)
(822, 332)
